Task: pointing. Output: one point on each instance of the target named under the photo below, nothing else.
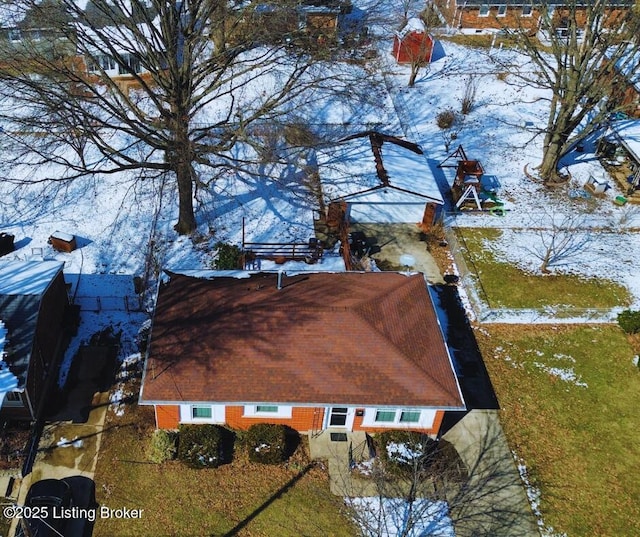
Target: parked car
(45, 497)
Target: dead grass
(240, 498)
(581, 444)
(58, 446)
(5, 523)
(478, 40)
(505, 285)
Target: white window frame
(15, 35)
(530, 7)
(251, 411)
(427, 417)
(134, 63)
(218, 413)
(199, 418)
(488, 12)
(16, 403)
(350, 416)
(502, 10)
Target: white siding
(425, 422)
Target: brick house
(478, 16)
(341, 351)
(33, 307)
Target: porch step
(323, 446)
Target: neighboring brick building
(33, 308)
(476, 16)
(341, 351)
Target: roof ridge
(382, 329)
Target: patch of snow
(392, 517)
(402, 452)
(364, 467)
(565, 374)
(533, 494)
(64, 443)
(27, 277)
(116, 399)
(566, 357)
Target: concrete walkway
(494, 501)
(67, 449)
(391, 241)
(338, 454)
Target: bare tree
(413, 45)
(559, 238)
(154, 86)
(582, 42)
(468, 101)
(450, 126)
(472, 486)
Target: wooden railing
(309, 252)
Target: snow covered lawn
(391, 517)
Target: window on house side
(386, 415)
(527, 10)
(267, 408)
(502, 10)
(484, 10)
(201, 412)
(410, 416)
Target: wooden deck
(281, 252)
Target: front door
(340, 417)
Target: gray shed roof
(22, 285)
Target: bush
(404, 452)
(267, 443)
(629, 321)
(468, 101)
(299, 135)
(204, 446)
(163, 446)
(446, 119)
(229, 256)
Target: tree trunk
(181, 162)
(548, 170)
(186, 218)
(555, 144)
(415, 67)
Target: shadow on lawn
(279, 493)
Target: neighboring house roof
(365, 339)
(22, 285)
(628, 65)
(393, 190)
(414, 24)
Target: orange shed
(413, 44)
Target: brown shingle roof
(365, 339)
